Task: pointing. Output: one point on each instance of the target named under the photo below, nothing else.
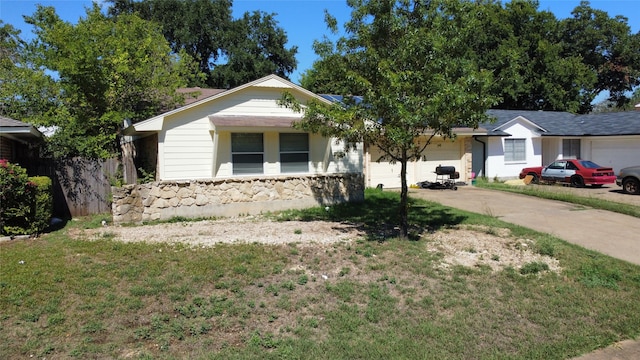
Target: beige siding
(187, 151)
(223, 155)
(257, 102)
(323, 157)
(271, 153)
(445, 153)
(190, 147)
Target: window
(557, 165)
(514, 150)
(294, 153)
(571, 148)
(247, 153)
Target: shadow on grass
(379, 215)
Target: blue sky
(303, 20)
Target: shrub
(43, 208)
(25, 203)
(15, 191)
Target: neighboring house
(236, 151)
(517, 139)
(19, 142)
(520, 139)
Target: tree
(608, 48)
(26, 91)
(230, 52)
(257, 49)
(521, 46)
(202, 28)
(409, 59)
(538, 62)
(108, 70)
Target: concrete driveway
(610, 233)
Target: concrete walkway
(603, 231)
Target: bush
(25, 203)
(43, 207)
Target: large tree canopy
(230, 52)
(26, 91)
(108, 70)
(607, 47)
(408, 60)
(538, 61)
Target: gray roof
(557, 123)
(17, 128)
(610, 124)
(8, 122)
(567, 124)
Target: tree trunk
(404, 194)
(128, 154)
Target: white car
(629, 179)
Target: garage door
(444, 153)
(616, 153)
(383, 172)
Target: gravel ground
(467, 246)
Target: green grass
(64, 297)
(544, 192)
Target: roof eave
(21, 131)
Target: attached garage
(445, 153)
(616, 152)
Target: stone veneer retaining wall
(230, 197)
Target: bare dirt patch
(466, 246)
(479, 246)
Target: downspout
(484, 154)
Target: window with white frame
(515, 150)
(571, 148)
(247, 153)
(294, 153)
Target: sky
(302, 20)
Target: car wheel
(631, 186)
(534, 179)
(577, 181)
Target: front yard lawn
(377, 297)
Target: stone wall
(230, 197)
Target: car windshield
(589, 164)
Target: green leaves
(105, 70)
(538, 62)
(229, 52)
(407, 61)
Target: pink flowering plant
(17, 199)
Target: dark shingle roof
(610, 124)
(567, 124)
(556, 123)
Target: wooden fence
(80, 186)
